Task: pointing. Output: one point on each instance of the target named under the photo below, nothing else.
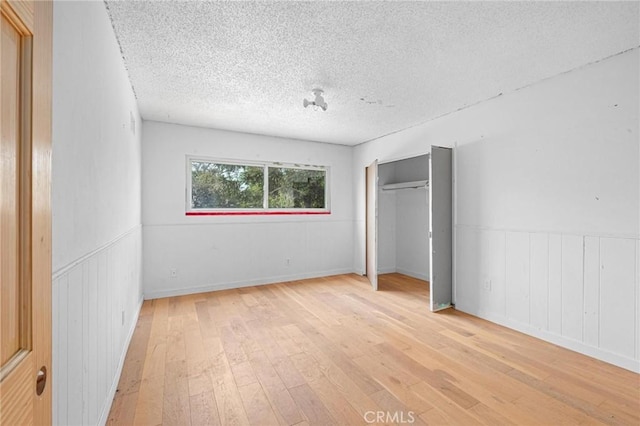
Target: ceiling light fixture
(318, 102)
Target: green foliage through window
(242, 187)
(296, 188)
(226, 186)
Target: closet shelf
(405, 185)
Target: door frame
(371, 223)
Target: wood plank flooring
(332, 351)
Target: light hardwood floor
(332, 351)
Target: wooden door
(372, 224)
(25, 214)
(440, 227)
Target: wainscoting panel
(96, 301)
(555, 284)
(194, 258)
(572, 286)
(592, 291)
(618, 318)
(518, 275)
(578, 291)
(539, 281)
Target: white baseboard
(406, 272)
(104, 416)
(413, 274)
(597, 353)
(158, 294)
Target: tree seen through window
(237, 186)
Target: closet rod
(405, 185)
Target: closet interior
(403, 217)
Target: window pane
(296, 188)
(226, 186)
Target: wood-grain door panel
(25, 212)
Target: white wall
(387, 232)
(96, 213)
(214, 252)
(412, 233)
(387, 223)
(403, 232)
(547, 209)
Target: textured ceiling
(384, 66)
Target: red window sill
(276, 213)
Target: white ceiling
(384, 66)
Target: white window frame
(265, 201)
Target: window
(226, 186)
(291, 188)
(229, 187)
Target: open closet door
(440, 227)
(372, 224)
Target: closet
(409, 223)
(403, 217)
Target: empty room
(320, 213)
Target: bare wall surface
(96, 213)
(412, 228)
(547, 209)
(215, 252)
(387, 231)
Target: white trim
(265, 190)
(241, 162)
(63, 270)
(454, 221)
(556, 232)
(407, 157)
(567, 343)
(158, 294)
(413, 274)
(104, 416)
(423, 277)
